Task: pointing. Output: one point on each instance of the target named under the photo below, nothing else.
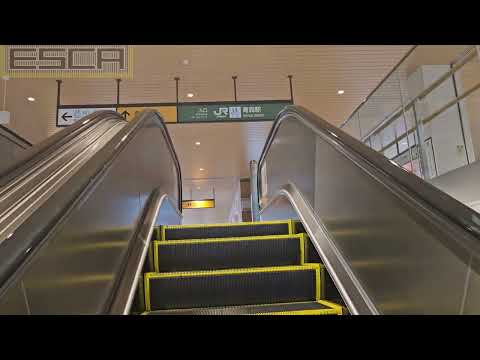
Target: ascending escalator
(262, 268)
(89, 224)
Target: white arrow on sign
(68, 117)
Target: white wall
(227, 200)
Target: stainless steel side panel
(289, 203)
(77, 268)
(291, 160)
(15, 302)
(471, 305)
(401, 256)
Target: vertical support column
(402, 103)
(235, 87)
(396, 140)
(291, 87)
(460, 117)
(5, 79)
(177, 79)
(59, 86)
(420, 137)
(118, 93)
(254, 190)
(359, 127)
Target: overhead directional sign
(169, 113)
(239, 111)
(183, 112)
(68, 117)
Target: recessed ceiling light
(190, 95)
(340, 92)
(185, 62)
(201, 169)
(197, 143)
(30, 98)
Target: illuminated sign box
(198, 204)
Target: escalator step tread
(202, 231)
(230, 287)
(319, 307)
(228, 253)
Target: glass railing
(424, 115)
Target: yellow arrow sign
(169, 113)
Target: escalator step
(228, 253)
(178, 232)
(195, 289)
(320, 307)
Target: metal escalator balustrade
(69, 256)
(34, 186)
(392, 243)
(40, 151)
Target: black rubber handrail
(445, 205)
(16, 136)
(38, 151)
(173, 154)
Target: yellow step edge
(308, 266)
(339, 308)
(245, 223)
(303, 312)
(190, 226)
(158, 243)
(228, 239)
(334, 309)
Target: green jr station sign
(234, 111)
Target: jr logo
(221, 112)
